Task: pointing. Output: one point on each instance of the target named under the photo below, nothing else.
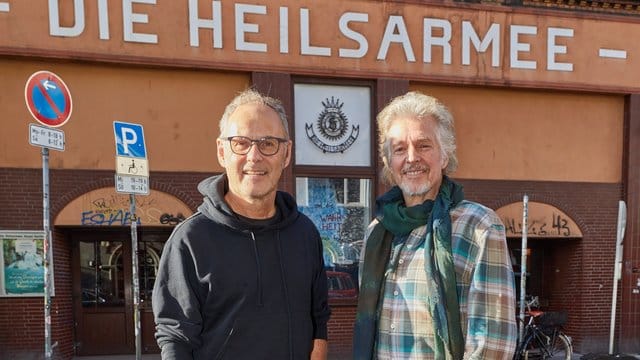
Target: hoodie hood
(215, 208)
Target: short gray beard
(419, 192)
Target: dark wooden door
(103, 294)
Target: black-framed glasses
(268, 145)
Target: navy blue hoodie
(229, 288)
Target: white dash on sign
(615, 54)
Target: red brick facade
(576, 276)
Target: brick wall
(343, 315)
(578, 275)
(22, 319)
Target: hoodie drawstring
(259, 270)
(286, 295)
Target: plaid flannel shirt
(485, 284)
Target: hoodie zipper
(259, 270)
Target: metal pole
(523, 264)
(47, 253)
(617, 268)
(134, 274)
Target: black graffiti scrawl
(332, 126)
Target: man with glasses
(244, 278)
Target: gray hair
(251, 96)
(416, 104)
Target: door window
(102, 273)
(148, 260)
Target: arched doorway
(97, 225)
(553, 239)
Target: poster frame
(25, 236)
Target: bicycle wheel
(532, 348)
(535, 347)
(561, 348)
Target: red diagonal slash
(53, 105)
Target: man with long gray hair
(436, 276)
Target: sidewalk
(118, 357)
(605, 356)
(157, 357)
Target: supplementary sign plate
(132, 166)
(46, 137)
(132, 184)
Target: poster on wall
(332, 125)
(22, 270)
(340, 209)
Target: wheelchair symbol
(132, 168)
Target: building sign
(333, 125)
(543, 221)
(508, 46)
(21, 260)
(105, 207)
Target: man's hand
(320, 349)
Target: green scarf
(396, 219)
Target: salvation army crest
(332, 127)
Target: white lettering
(430, 40)
(196, 23)
(103, 19)
(4, 6)
(305, 47)
(553, 49)
(353, 35)
(129, 17)
(284, 30)
(243, 27)
(54, 19)
(390, 35)
(471, 38)
(126, 140)
(517, 47)
(492, 38)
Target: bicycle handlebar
(531, 301)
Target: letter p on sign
(129, 137)
(129, 140)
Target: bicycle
(542, 336)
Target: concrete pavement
(118, 357)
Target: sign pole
(49, 101)
(132, 177)
(47, 253)
(134, 274)
(523, 264)
(617, 268)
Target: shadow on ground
(595, 356)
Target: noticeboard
(22, 265)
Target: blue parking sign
(129, 140)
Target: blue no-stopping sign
(48, 99)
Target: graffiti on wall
(543, 220)
(105, 207)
